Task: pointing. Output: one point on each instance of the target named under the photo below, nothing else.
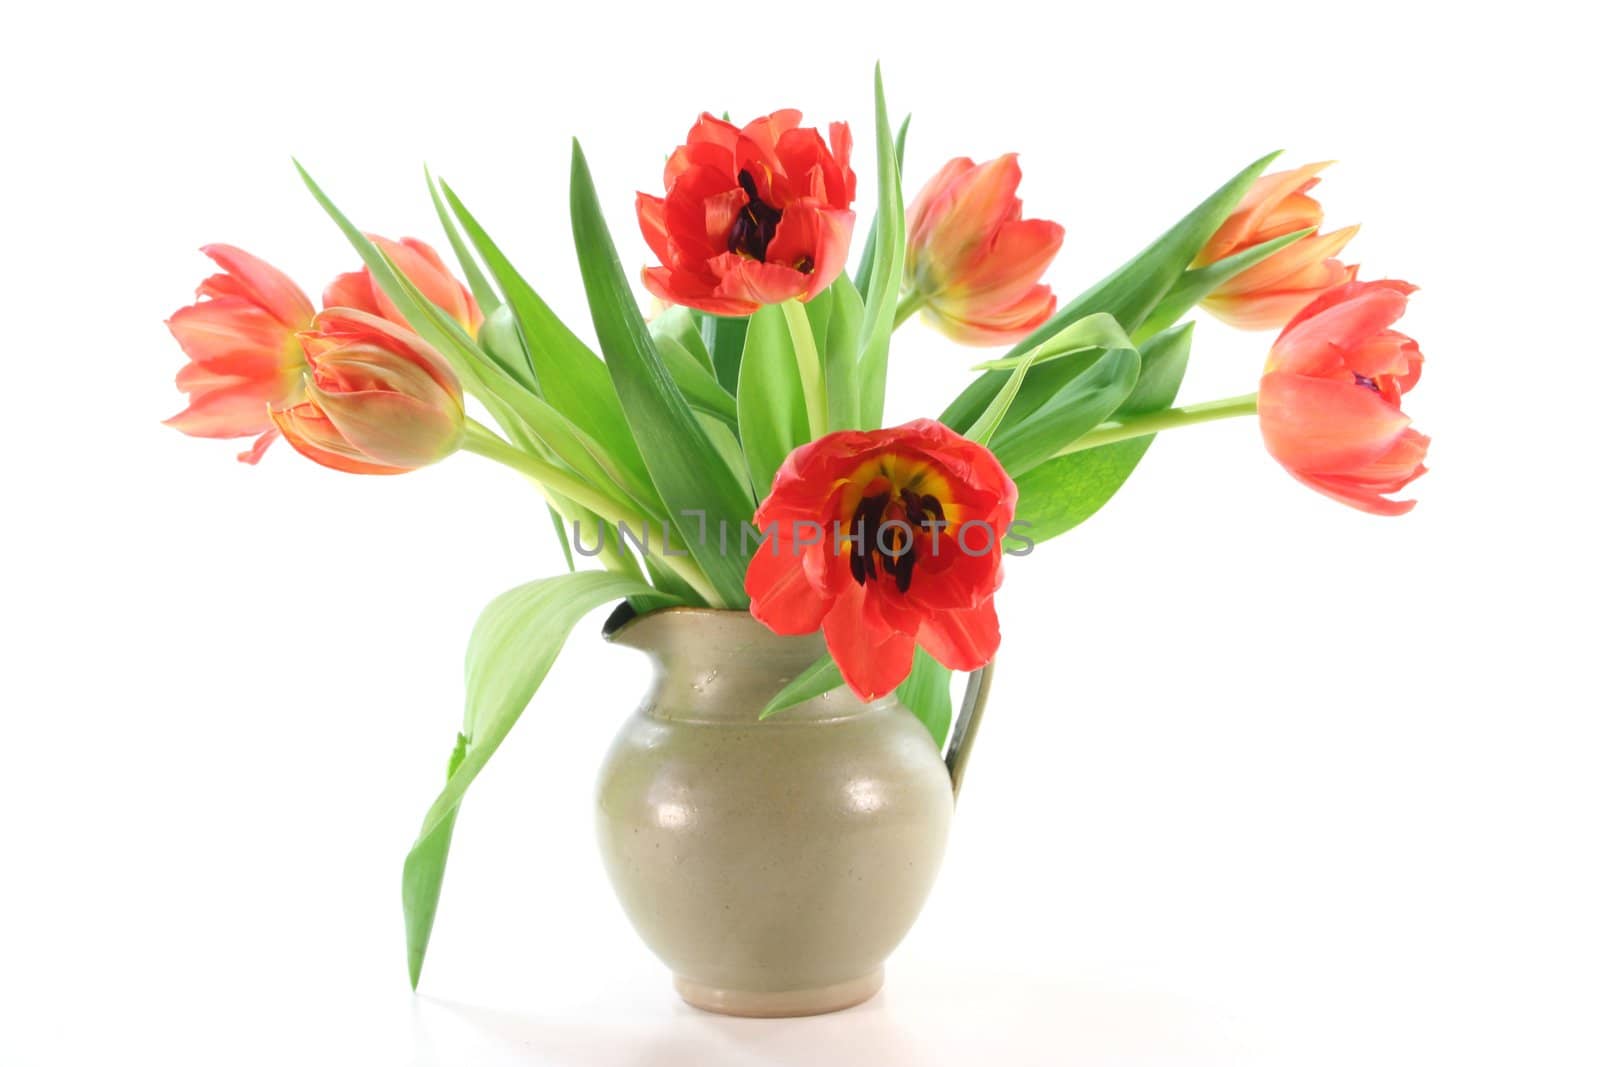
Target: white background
(1264, 780)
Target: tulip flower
(244, 356)
(378, 400)
(1330, 397)
(885, 539)
(1267, 295)
(972, 261)
(751, 216)
(423, 268)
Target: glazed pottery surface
(774, 865)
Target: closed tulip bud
(244, 352)
(1330, 397)
(973, 262)
(378, 400)
(423, 268)
(1269, 294)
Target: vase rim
(624, 617)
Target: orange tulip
(1330, 397)
(972, 261)
(423, 268)
(1269, 294)
(243, 354)
(378, 399)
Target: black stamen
(1362, 379)
(899, 556)
(753, 230)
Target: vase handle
(966, 727)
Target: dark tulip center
(753, 230)
(1363, 380)
(883, 533)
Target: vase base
(786, 1004)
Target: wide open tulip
(1269, 294)
(972, 260)
(423, 268)
(1330, 397)
(244, 355)
(886, 539)
(751, 216)
(378, 399)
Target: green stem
(1109, 433)
(909, 305)
(809, 364)
(481, 440)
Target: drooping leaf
(1130, 293)
(513, 646)
(821, 677)
(1092, 331)
(1060, 493)
(422, 875)
(771, 404)
(926, 691)
(888, 264)
(685, 466)
(1097, 383)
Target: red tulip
(886, 539)
(1269, 294)
(243, 354)
(972, 260)
(423, 268)
(751, 216)
(379, 400)
(1330, 398)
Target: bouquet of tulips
(729, 451)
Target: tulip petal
(352, 289)
(781, 597)
(1325, 426)
(266, 285)
(873, 657)
(750, 280)
(962, 640)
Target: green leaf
(683, 463)
(699, 385)
(423, 875)
(1198, 282)
(501, 340)
(725, 340)
(571, 377)
(888, 264)
(840, 344)
(682, 325)
(488, 300)
(1060, 493)
(513, 645)
(821, 677)
(869, 251)
(772, 407)
(1097, 383)
(926, 691)
(1092, 331)
(1129, 293)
